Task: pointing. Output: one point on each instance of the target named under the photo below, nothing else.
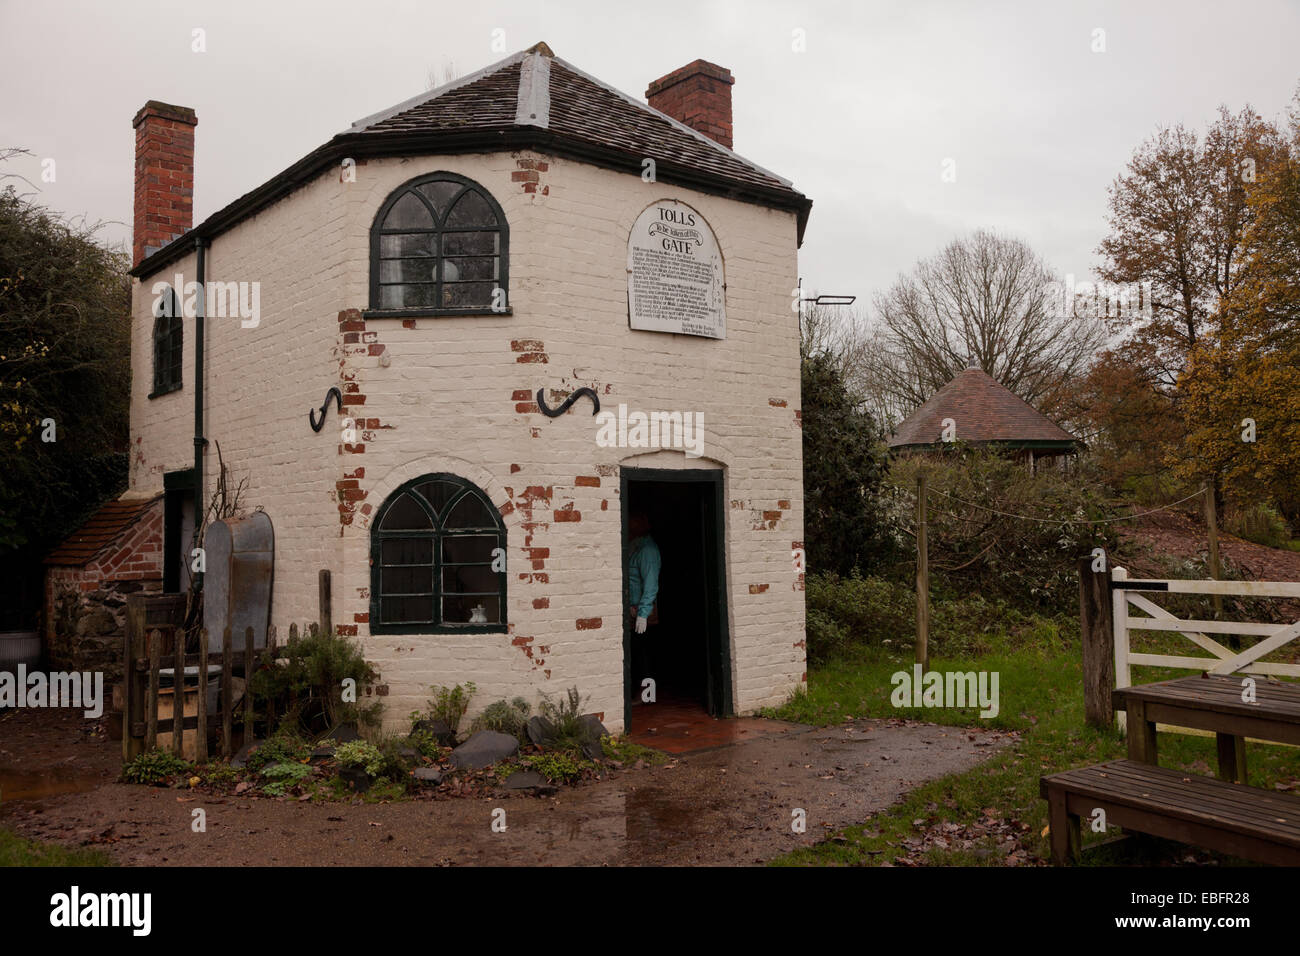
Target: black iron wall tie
(333, 393)
(568, 402)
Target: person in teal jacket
(644, 563)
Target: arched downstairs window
(168, 343)
(437, 560)
(440, 245)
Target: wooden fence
(1108, 624)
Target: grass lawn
(995, 807)
(16, 851)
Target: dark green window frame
(436, 230)
(438, 534)
(168, 344)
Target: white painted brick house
(512, 194)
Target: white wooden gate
(1127, 594)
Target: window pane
(457, 609)
(414, 610)
(439, 193)
(406, 270)
(471, 243)
(406, 551)
(408, 213)
(468, 549)
(403, 580)
(471, 210)
(468, 269)
(412, 244)
(437, 493)
(470, 512)
(405, 515)
(470, 578)
(467, 295)
(407, 296)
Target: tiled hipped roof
(983, 411)
(532, 100)
(101, 530)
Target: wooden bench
(1213, 703)
(1247, 822)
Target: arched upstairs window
(439, 246)
(168, 343)
(437, 560)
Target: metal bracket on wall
(333, 393)
(567, 403)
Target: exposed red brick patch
(588, 623)
(514, 469)
(527, 345)
(757, 588)
(777, 402)
(606, 471)
(771, 516)
(349, 630)
(783, 504)
(408, 323)
(540, 603)
(586, 481)
(604, 505)
(567, 513)
(362, 618)
(533, 357)
(521, 395)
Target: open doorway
(685, 648)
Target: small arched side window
(437, 560)
(439, 246)
(168, 343)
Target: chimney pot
(699, 95)
(164, 176)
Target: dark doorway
(686, 652)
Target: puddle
(23, 785)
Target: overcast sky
(862, 121)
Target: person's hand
(640, 625)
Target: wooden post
(922, 578)
(249, 736)
(326, 612)
(151, 702)
(227, 704)
(270, 701)
(178, 691)
(201, 730)
(1098, 633)
(135, 684)
(1119, 624)
(1216, 570)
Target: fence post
(1098, 644)
(249, 665)
(201, 730)
(227, 691)
(151, 703)
(134, 684)
(1119, 625)
(922, 578)
(178, 692)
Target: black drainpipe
(200, 442)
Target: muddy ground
(726, 806)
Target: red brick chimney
(164, 175)
(699, 95)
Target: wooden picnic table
(1213, 703)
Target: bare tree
(986, 301)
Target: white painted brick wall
(447, 399)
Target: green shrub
(306, 682)
(154, 767)
(359, 753)
(1259, 522)
(448, 704)
(505, 717)
(284, 777)
(565, 717)
(284, 746)
(425, 744)
(558, 766)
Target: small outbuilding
(975, 409)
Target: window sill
(440, 629)
(165, 391)
(430, 312)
